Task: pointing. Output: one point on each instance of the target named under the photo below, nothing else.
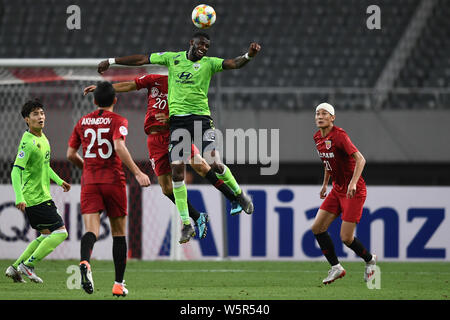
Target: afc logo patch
(123, 130)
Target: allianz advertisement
(398, 224)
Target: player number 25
(160, 104)
(100, 141)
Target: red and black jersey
(157, 89)
(335, 150)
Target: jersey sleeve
(120, 129)
(216, 64)
(346, 144)
(16, 179)
(54, 176)
(143, 81)
(75, 140)
(23, 154)
(161, 58)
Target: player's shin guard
(220, 185)
(360, 250)
(180, 193)
(87, 244)
(229, 180)
(29, 250)
(193, 213)
(47, 246)
(120, 256)
(327, 247)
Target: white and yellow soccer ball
(203, 16)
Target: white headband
(327, 107)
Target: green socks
(29, 250)
(180, 194)
(229, 180)
(45, 247)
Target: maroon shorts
(158, 152)
(338, 203)
(109, 197)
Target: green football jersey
(188, 81)
(33, 157)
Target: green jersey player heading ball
(190, 73)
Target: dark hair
(104, 94)
(200, 34)
(29, 106)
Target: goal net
(59, 84)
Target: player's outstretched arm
(134, 60)
(125, 156)
(239, 62)
(125, 86)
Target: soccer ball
(203, 16)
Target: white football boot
(14, 274)
(29, 273)
(369, 270)
(334, 273)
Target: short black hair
(201, 34)
(104, 94)
(29, 106)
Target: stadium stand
(313, 51)
(428, 65)
(307, 43)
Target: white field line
(245, 271)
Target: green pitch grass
(225, 280)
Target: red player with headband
(344, 164)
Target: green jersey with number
(33, 157)
(188, 81)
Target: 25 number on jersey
(96, 136)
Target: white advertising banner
(398, 224)
(16, 233)
(157, 224)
